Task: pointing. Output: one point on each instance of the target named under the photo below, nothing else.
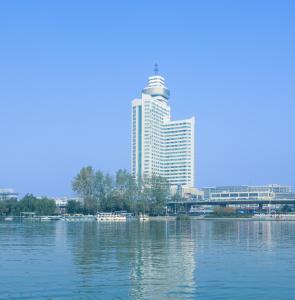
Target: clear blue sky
(69, 70)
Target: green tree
(28, 203)
(83, 182)
(45, 207)
(128, 190)
(103, 185)
(100, 192)
(2, 208)
(122, 181)
(41, 206)
(12, 207)
(156, 192)
(285, 208)
(83, 185)
(74, 207)
(224, 211)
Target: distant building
(161, 146)
(244, 192)
(187, 192)
(62, 202)
(8, 194)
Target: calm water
(156, 260)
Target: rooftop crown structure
(161, 146)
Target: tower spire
(156, 69)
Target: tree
(74, 207)
(83, 182)
(28, 203)
(100, 192)
(42, 206)
(45, 206)
(128, 190)
(122, 181)
(224, 211)
(156, 192)
(12, 207)
(103, 185)
(285, 208)
(83, 185)
(2, 208)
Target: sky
(70, 69)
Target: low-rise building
(62, 202)
(187, 192)
(244, 192)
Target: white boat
(8, 219)
(274, 217)
(143, 217)
(78, 218)
(111, 217)
(45, 218)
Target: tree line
(102, 192)
(29, 203)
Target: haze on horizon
(70, 69)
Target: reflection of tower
(161, 146)
(164, 263)
(265, 229)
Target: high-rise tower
(161, 146)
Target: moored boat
(274, 217)
(143, 217)
(78, 218)
(112, 217)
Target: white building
(161, 146)
(8, 194)
(264, 192)
(63, 201)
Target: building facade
(8, 194)
(244, 192)
(62, 202)
(161, 146)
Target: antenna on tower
(156, 69)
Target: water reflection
(164, 263)
(207, 259)
(152, 258)
(161, 259)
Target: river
(197, 259)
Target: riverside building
(161, 146)
(244, 192)
(8, 194)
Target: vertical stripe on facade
(139, 140)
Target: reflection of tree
(35, 235)
(96, 244)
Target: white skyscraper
(161, 146)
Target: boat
(274, 217)
(143, 217)
(8, 219)
(55, 218)
(77, 218)
(45, 218)
(111, 217)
